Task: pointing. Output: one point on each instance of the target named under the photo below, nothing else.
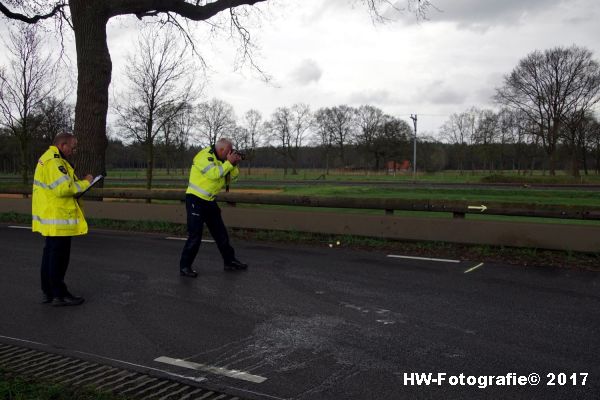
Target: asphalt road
(312, 322)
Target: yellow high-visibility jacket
(54, 209)
(208, 174)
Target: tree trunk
(94, 74)
(551, 148)
(574, 159)
(294, 158)
(24, 163)
(598, 157)
(149, 165)
(168, 160)
(583, 148)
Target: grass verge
(14, 387)
(479, 253)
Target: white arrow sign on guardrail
(481, 208)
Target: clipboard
(94, 181)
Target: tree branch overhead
(193, 11)
(34, 19)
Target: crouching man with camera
(213, 168)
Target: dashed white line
(424, 258)
(231, 373)
(474, 268)
(19, 227)
(178, 238)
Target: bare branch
(34, 19)
(194, 12)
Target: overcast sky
(329, 52)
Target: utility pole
(414, 118)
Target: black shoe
(235, 265)
(190, 273)
(67, 301)
(47, 299)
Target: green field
(562, 197)
(337, 175)
(273, 174)
(335, 188)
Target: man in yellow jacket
(57, 215)
(212, 169)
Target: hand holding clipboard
(92, 183)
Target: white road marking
(474, 268)
(424, 258)
(231, 373)
(19, 227)
(178, 238)
(192, 378)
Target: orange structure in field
(393, 166)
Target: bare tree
(325, 134)
(549, 86)
(24, 86)
(460, 131)
(577, 131)
(240, 137)
(594, 141)
(184, 123)
(392, 138)
(370, 120)
(55, 115)
(88, 19)
(253, 124)
(340, 121)
(280, 128)
(486, 132)
(215, 118)
(301, 122)
(161, 84)
(176, 133)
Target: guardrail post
(458, 215)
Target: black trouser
(55, 262)
(200, 212)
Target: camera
(240, 153)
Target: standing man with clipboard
(57, 215)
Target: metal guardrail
(458, 208)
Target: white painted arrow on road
(481, 208)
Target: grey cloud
(480, 15)
(581, 19)
(439, 93)
(308, 71)
(375, 97)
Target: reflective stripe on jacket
(55, 211)
(208, 173)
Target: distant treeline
(431, 157)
